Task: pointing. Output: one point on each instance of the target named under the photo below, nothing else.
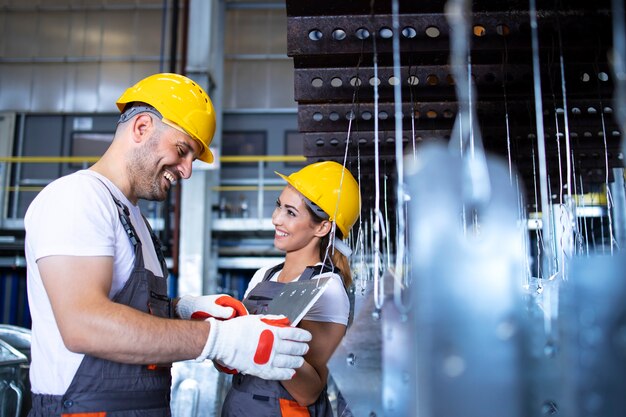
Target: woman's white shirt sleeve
(333, 305)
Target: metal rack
(333, 47)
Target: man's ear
(141, 126)
(323, 228)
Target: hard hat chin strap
(135, 110)
(342, 247)
(315, 208)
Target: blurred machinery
(14, 366)
(482, 224)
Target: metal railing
(258, 183)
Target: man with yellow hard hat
(104, 331)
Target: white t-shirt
(74, 215)
(333, 305)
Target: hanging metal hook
(466, 137)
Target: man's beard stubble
(142, 166)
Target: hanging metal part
(359, 357)
(607, 168)
(399, 271)
(374, 352)
(548, 250)
(566, 121)
(593, 303)
(379, 283)
(459, 280)
(477, 189)
(619, 63)
(618, 194)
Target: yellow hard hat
(181, 101)
(331, 187)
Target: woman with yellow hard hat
(314, 212)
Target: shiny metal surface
(14, 379)
(198, 389)
(356, 365)
(17, 337)
(11, 386)
(398, 353)
(593, 329)
(10, 356)
(467, 271)
(297, 298)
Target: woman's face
(294, 227)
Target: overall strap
(308, 273)
(270, 272)
(314, 270)
(157, 246)
(124, 215)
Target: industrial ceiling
(338, 46)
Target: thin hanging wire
(558, 150)
(581, 223)
(506, 110)
(541, 147)
(397, 97)
(582, 192)
(351, 116)
(412, 79)
(475, 164)
(362, 228)
(538, 229)
(602, 234)
(569, 179)
(522, 215)
(619, 64)
(568, 149)
(372, 242)
(563, 213)
(379, 283)
(609, 205)
(362, 231)
(401, 278)
(359, 241)
(386, 222)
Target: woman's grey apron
(256, 397)
(104, 388)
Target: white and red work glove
(263, 346)
(220, 306)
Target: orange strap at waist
(289, 408)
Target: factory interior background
(487, 139)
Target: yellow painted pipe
(48, 159)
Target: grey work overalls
(256, 397)
(103, 388)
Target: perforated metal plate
(297, 298)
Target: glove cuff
(184, 307)
(208, 352)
